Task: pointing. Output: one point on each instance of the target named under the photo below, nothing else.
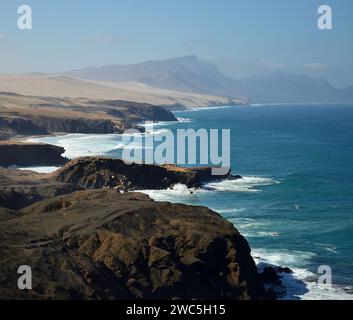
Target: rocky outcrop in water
(99, 172)
(22, 188)
(100, 244)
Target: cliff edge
(100, 244)
(30, 154)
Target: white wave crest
(245, 184)
(227, 211)
(302, 284)
(184, 120)
(81, 145)
(175, 194)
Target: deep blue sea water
(295, 203)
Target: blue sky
(242, 37)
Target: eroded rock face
(98, 172)
(30, 115)
(99, 244)
(80, 125)
(19, 189)
(30, 154)
(16, 125)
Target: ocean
(295, 201)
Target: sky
(241, 37)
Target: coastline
(296, 283)
(24, 192)
(76, 195)
(279, 288)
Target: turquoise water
(295, 203)
(309, 150)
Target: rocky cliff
(79, 125)
(19, 189)
(30, 115)
(100, 244)
(99, 172)
(85, 240)
(16, 125)
(30, 154)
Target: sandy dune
(64, 86)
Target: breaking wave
(302, 284)
(245, 184)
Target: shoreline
(291, 282)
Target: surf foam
(302, 284)
(245, 184)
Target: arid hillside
(34, 115)
(65, 86)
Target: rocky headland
(22, 188)
(100, 244)
(100, 172)
(85, 239)
(30, 154)
(23, 116)
(30, 115)
(83, 231)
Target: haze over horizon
(240, 38)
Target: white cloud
(270, 64)
(316, 66)
(2, 36)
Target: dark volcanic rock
(95, 172)
(19, 196)
(68, 125)
(11, 125)
(30, 154)
(270, 275)
(156, 113)
(19, 189)
(100, 244)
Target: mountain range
(179, 82)
(191, 75)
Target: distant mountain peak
(191, 74)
